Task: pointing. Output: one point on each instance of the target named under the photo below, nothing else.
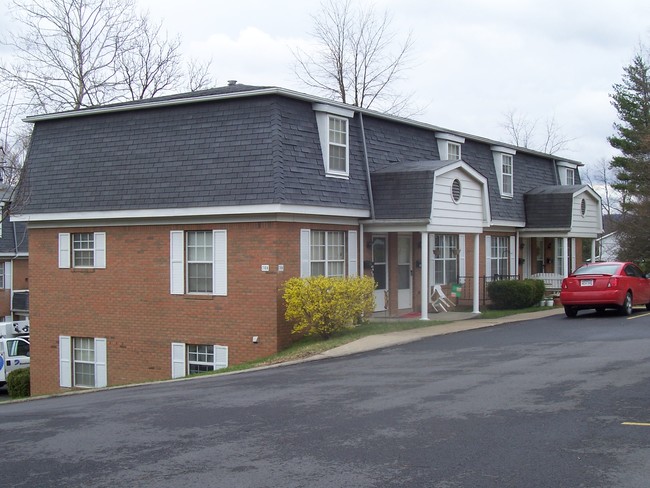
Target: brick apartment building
(162, 231)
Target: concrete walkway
(459, 322)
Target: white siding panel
(589, 222)
(464, 216)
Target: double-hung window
(499, 255)
(338, 145)
(199, 262)
(570, 176)
(504, 165)
(190, 359)
(328, 253)
(2, 274)
(82, 362)
(334, 135)
(453, 151)
(445, 259)
(82, 250)
(506, 175)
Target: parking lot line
(638, 316)
(637, 424)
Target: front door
(380, 271)
(404, 278)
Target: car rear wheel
(570, 311)
(647, 306)
(626, 308)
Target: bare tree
(523, 132)
(358, 58)
(72, 54)
(151, 64)
(198, 75)
(68, 49)
(14, 138)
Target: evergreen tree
(631, 98)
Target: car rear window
(600, 269)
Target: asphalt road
(533, 404)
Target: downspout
(365, 157)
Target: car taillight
(612, 283)
(565, 284)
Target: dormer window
(453, 151)
(506, 174)
(567, 172)
(338, 145)
(334, 133)
(504, 167)
(449, 146)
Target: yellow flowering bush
(319, 305)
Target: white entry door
(380, 271)
(404, 277)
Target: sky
(473, 61)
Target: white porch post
(565, 264)
(477, 279)
(593, 250)
(424, 276)
(573, 255)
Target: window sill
(340, 176)
(198, 297)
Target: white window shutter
(101, 373)
(488, 256)
(513, 255)
(353, 252)
(220, 263)
(100, 250)
(64, 250)
(178, 359)
(8, 280)
(461, 257)
(220, 357)
(176, 264)
(65, 362)
(305, 246)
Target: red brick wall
(129, 303)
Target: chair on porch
(438, 299)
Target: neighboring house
(14, 284)
(607, 247)
(162, 231)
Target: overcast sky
(474, 60)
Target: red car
(605, 285)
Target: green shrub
(18, 383)
(322, 306)
(513, 294)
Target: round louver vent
(583, 207)
(456, 190)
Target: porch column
(424, 276)
(593, 250)
(573, 255)
(565, 264)
(477, 279)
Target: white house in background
(607, 247)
